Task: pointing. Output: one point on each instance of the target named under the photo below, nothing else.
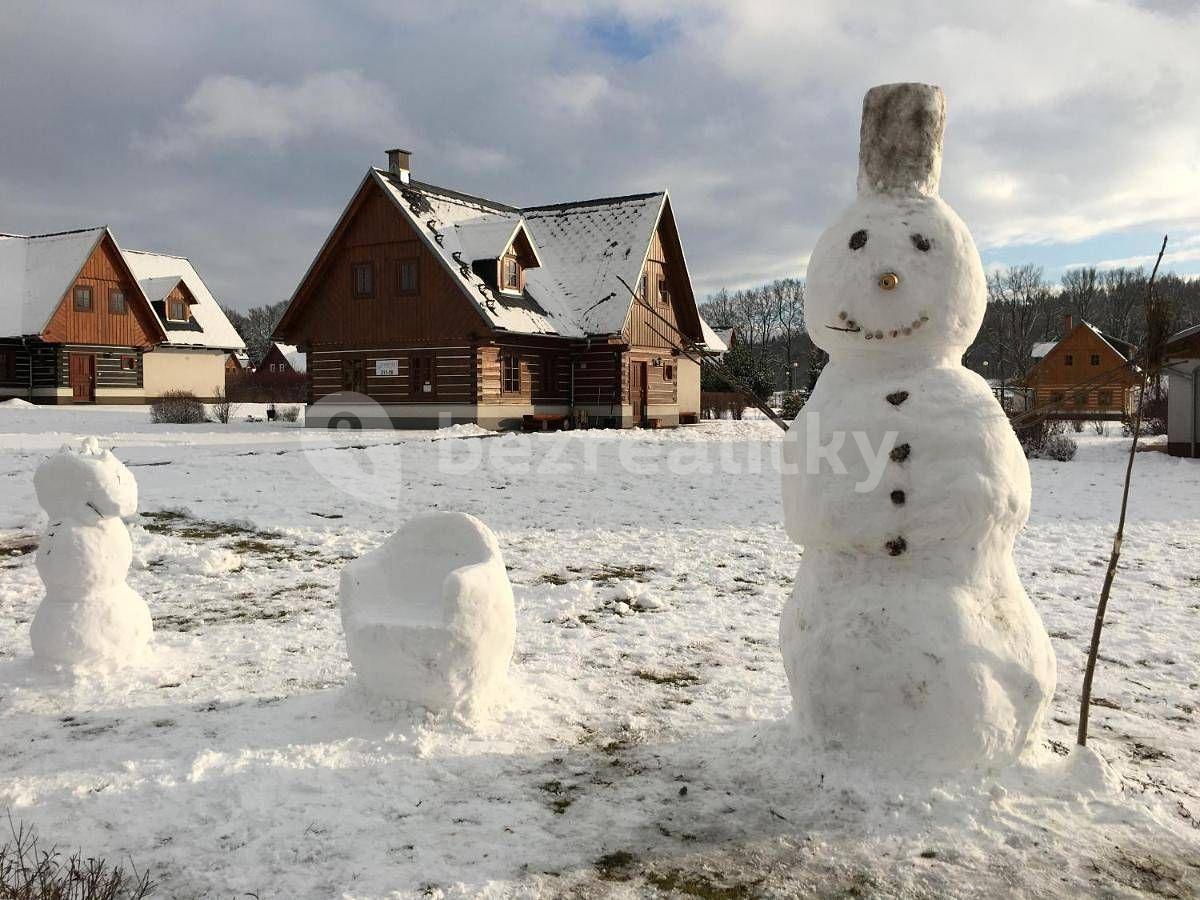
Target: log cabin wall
(378, 236)
(119, 367)
(450, 365)
(103, 273)
(16, 359)
(661, 389)
(545, 367)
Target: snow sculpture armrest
(470, 595)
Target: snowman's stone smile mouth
(850, 326)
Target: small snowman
(908, 638)
(90, 616)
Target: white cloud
(229, 110)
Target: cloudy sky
(234, 133)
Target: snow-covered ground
(645, 747)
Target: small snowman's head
(85, 483)
(898, 273)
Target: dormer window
(511, 274)
(176, 309)
(664, 292)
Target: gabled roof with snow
(1123, 349)
(586, 249)
(157, 275)
(712, 337)
(297, 360)
(35, 272)
(1042, 348)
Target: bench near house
(83, 321)
(444, 307)
(1084, 375)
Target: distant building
(283, 359)
(1085, 374)
(441, 306)
(83, 321)
(1183, 393)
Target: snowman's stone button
(900, 452)
(898, 498)
(897, 398)
(896, 546)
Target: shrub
(177, 408)
(1077, 426)
(1100, 427)
(1060, 447)
(1046, 439)
(793, 402)
(722, 404)
(288, 413)
(223, 408)
(29, 873)
(1154, 417)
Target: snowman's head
(898, 273)
(85, 483)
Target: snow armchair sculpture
(429, 615)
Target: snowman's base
(106, 630)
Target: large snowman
(908, 639)
(90, 616)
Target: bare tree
(787, 301)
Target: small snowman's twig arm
(1098, 626)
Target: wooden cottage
(83, 321)
(427, 306)
(283, 359)
(1182, 355)
(1084, 375)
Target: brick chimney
(1068, 323)
(399, 162)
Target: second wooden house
(440, 307)
(1086, 374)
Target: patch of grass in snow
(559, 796)
(679, 678)
(707, 885)
(28, 871)
(239, 538)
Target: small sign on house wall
(387, 367)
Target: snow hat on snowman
(85, 483)
(898, 272)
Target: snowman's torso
(932, 466)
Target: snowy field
(645, 749)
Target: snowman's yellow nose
(888, 281)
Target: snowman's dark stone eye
(858, 240)
(921, 243)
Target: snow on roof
(585, 249)
(1183, 335)
(154, 271)
(156, 289)
(487, 237)
(712, 338)
(35, 272)
(1042, 348)
(297, 360)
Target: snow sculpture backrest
(898, 269)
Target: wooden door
(83, 377)
(638, 392)
(354, 376)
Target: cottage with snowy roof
(1086, 374)
(84, 321)
(443, 307)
